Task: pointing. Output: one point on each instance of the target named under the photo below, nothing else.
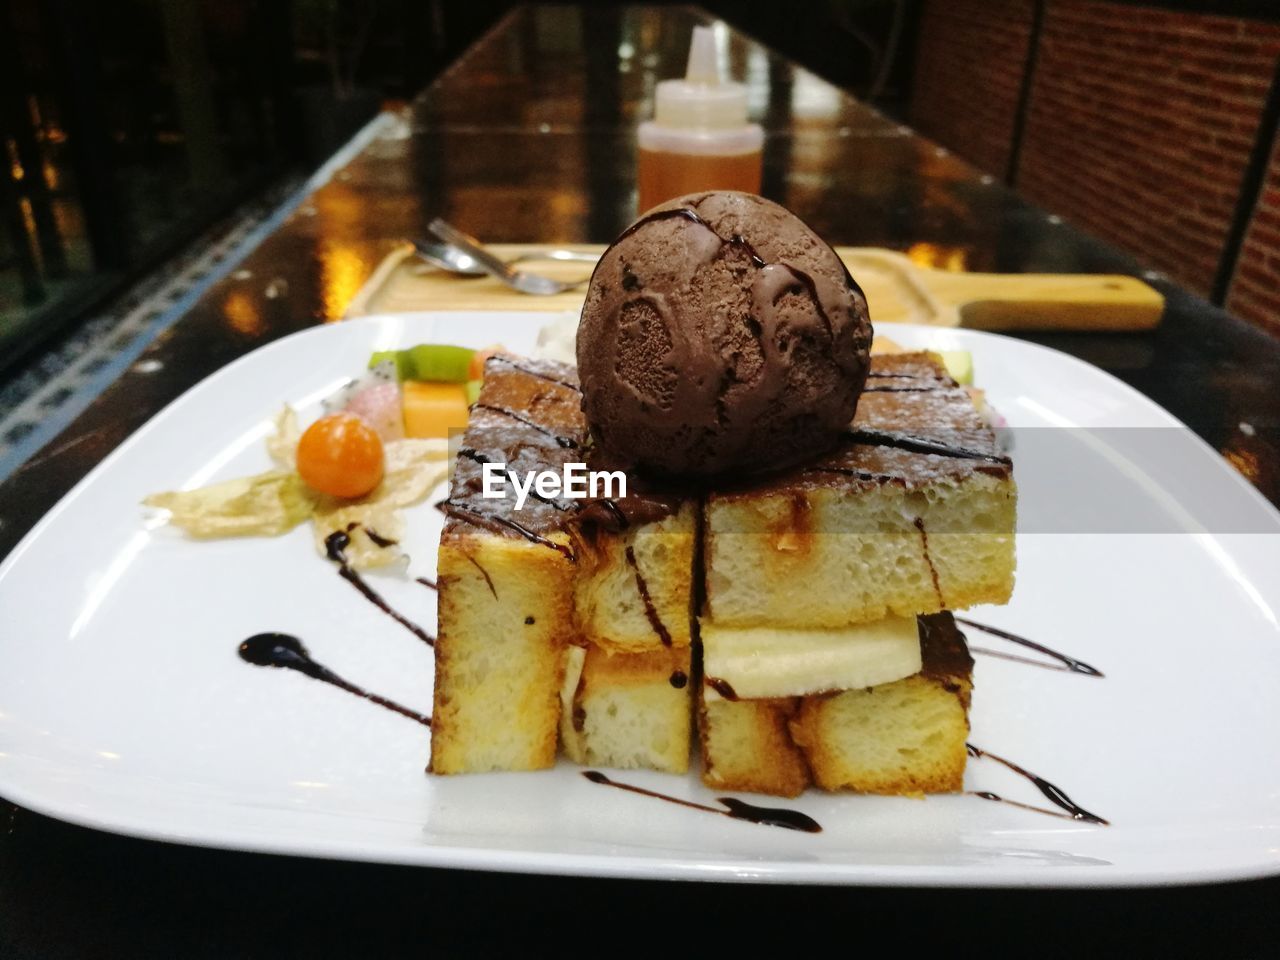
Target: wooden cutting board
(898, 291)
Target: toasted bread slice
(628, 710)
(506, 579)
(913, 512)
(634, 585)
(898, 738)
(504, 604)
(902, 738)
(747, 745)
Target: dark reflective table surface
(530, 138)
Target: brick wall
(1139, 126)
(970, 57)
(1255, 285)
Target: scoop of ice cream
(721, 334)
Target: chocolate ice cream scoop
(721, 334)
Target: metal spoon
(449, 258)
(520, 280)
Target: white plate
(124, 706)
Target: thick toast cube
(634, 585)
(747, 745)
(628, 710)
(504, 605)
(913, 512)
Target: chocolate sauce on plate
(735, 809)
(1052, 792)
(283, 650)
(615, 513)
(335, 545)
(1069, 663)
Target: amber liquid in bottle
(663, 175)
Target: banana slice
(762, 662)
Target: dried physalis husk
(275, 502)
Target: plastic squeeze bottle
(699, 137)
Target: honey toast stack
(803, 616)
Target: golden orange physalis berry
(341, 455)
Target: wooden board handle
(1047, 301)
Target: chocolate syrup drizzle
(735, 809)
(679, 679)
(856, 474)
(737, 240)
(1069, 664)
(479, 518)
(378, 539)
(500, 358)
(335, 546)
(1052, 792)
(722, 687)
(928, 558)
(484, 573)
(615, 511)
(913, 444)
(428, 583)
(567, 442)
(283, 650)
(650, 610)
(742, 243)
(684, 213)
